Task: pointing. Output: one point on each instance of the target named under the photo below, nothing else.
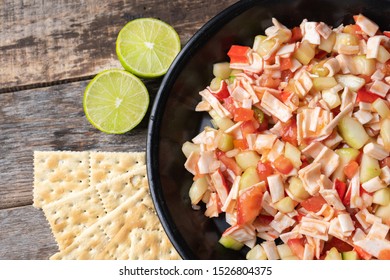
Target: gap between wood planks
(45, 84)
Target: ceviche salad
(297, 158)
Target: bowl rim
(200, 37)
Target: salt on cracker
(87, 246)
(105, 166)
(114, 192)
(151, 245)
(71, 215)
(59, 174)
(130, 214)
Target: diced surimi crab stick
(298, 150)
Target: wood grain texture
(25, 235)
(50, 118)
(49, 41)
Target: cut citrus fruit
(115, 101)
(146, 47)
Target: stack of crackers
(98, 206)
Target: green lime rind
(115, 101)
(147, 47)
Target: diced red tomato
(296, 34)
(264, 169)
(283, 165)
(264, 219)
(365, 77)
(347, 197)
(284, 96)
(299, 217)
(248, 127)
(240, 144)
(222, 92)
(285, 63)
(362, 254)
(340, 245)
(340, 187)
(313, 203)
(351, 168)
(229, 162)
(385, 162)
(386, 33)
(263, 125)
(384, 254)
(243, 114)
(286, 75)
(364, 95)
(297, 246)
(239, 54)
(228, 103)
(290, 132)
(249, 205)
(321, 54)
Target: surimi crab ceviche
(297, 157)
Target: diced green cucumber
(305, 53)
(333, 254)
(350, 255)
(293, 154)
(346, 155)
(381, 108)
(385, 133)
(328, 43)
(233, 75)
(222, 70)
(353, 132)
(215, 84)
(247, 159)
(221, 122)
(382, 196)
(369, 168)
(257, 41)
(331, 98)
(197, 190)
(264, 47)
(285, 205)
(346, 39)
(189, 147)
(383, 54)
(256, 253)
(249, 178)
(225, 142)
(384, 213)
(363, 65)
(284, 251)
(321, 83)
(230, 243)
(296, 188)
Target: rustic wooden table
(49, 50)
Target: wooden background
(49, 50)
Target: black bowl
(174, 121)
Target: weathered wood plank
(50, 118)
(25, 235)
(46, 41)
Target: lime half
(115, 101)
(146, 47)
